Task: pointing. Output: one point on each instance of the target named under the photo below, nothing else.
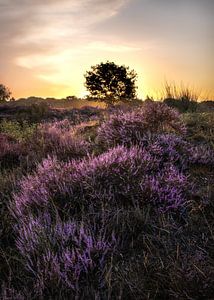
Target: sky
(48, 45)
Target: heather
(129, 127)
(63, 255)
(113, 203)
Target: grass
(200, 127)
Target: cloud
(45, 35)
(102, 46)
(39, 21)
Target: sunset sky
(47, 45)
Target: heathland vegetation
(108, 202)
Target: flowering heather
(167, 189)
(58, 138)
(62, 255)
(170, 148)
(202, 155)
(129, 221)
(162, 118)
(130, 127)
(115, 177)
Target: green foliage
(111, 83)
(200, 127)
(16, 130)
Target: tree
(4, 93)
(111, 83)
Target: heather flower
(162, 118)
(169, 148)
(202, 155)
(62, 255)
(112, 178)
(167, 190)
(130, 127)
(58, 138)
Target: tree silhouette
(4, 93)
(111, 83)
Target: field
(106, 203)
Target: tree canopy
(4, 93)
(111, 83)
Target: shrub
(200, 127)
(16, 130)
(201, 155)
(130, 127)
(33, 113)
(63, 257)
(170, 148)
(7, 292)
(116, 177)
(38, 111)
(59, 139)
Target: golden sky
(47, 45)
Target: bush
(59, 139)
(19, 131)
(200, 128)
(131, 127)
(119, 177)
(170, 148)
(34, 113)
(63, 257)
